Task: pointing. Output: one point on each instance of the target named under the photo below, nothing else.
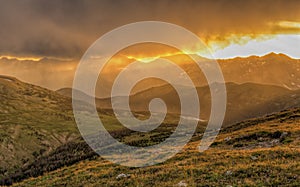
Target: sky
(43, 40)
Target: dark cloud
(66, 28)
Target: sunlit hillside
(258, 152)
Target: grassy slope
(32, 120)
(258, 152)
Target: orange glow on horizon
(235, 46)
(147, 59)
(35, 59)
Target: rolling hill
(258, 152)
(244, 101)
(33, 120)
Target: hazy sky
(63, 30)
(66, 28)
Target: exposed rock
(182, 184)
(274, 142)
(253, 158)
(229, 172)
(284, 135)
(227, 139)
(123, 175)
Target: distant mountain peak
(276, 55)
(271, 55)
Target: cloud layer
(66, 29)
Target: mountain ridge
(35, 120)
(244, 100)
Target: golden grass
(221, 165)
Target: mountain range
(244, 101)
(271, 69)
(35, 122)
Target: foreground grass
(262, 153)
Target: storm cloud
(65, 29)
